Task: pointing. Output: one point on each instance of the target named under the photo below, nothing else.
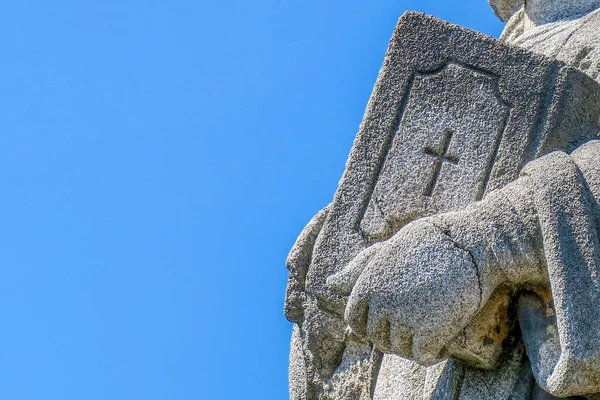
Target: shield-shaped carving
(442, 155)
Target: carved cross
(440, 157)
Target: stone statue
(460, 258)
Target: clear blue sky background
(157, 161)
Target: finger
(401, 339)
(426, 350)
(343, 282)
(378, 328)
(357, 312)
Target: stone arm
(413, 294)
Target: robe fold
(564, 346)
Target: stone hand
(411, 294)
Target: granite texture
(439, 249)
(442, 128)
(422, 286)
(505, 9)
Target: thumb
(343, 282)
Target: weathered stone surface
(562, 338)
(514, 379)
(401, 379)
(297, 369)
(387, 302)
(565, 30)
(453, 118)
(298, 262)
(525, 102)
(444, 149)
(505, 9)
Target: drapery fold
(564, 348)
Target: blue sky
(158, 160)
